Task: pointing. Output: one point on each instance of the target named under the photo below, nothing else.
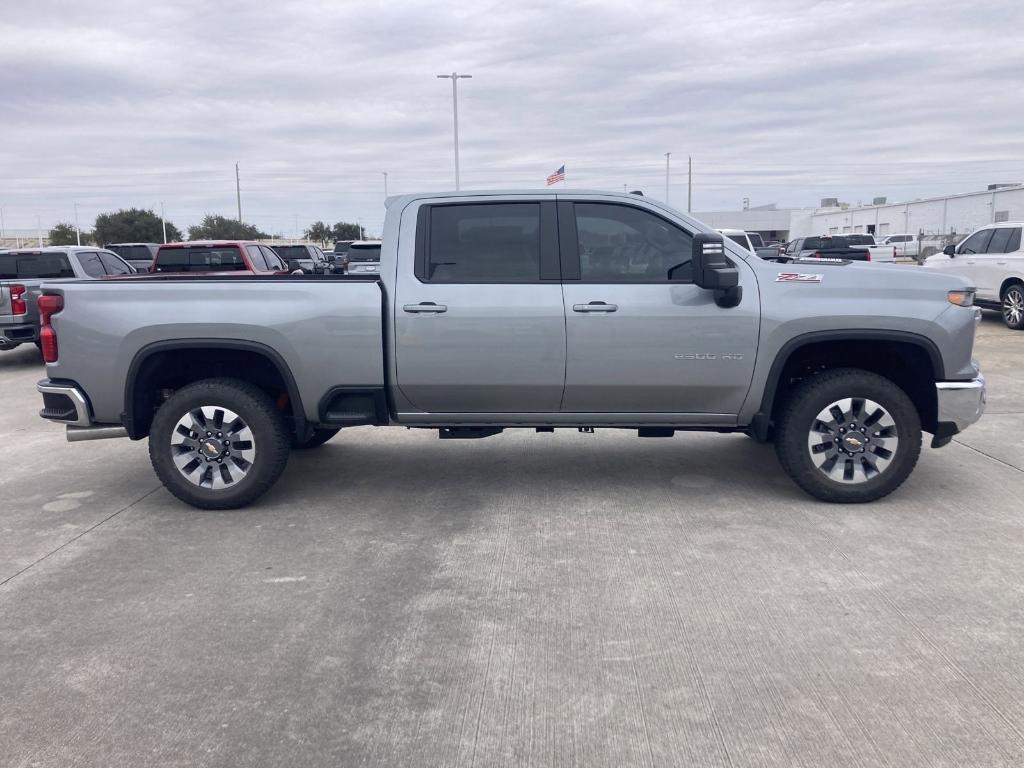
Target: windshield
(292, 252)
(859, 239)
(342, 246)
(28, 266)
(741, 239)
(199, 259)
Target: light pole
(689, 183)
(455, 77)
(78, 231)
(163, 221)
(238, 192)
(667, 156)
(385, 184)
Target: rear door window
(1000, 239)
(485, 243)
(274, 262)
(1014, 242)
(259, 262)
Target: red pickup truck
(218, 257)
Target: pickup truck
(851, 246)
(233, 257)
(22, 273)
(904, 245)
(537, 310)
(139, 255)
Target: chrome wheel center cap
(210, 449)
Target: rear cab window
(199, 258)
(33, 266)
(477, 243)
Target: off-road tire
(799, 414)
(269, 431)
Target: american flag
(557, 176)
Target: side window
(91, 264)
(794, 246)
(486, 243)
(1014, 242)
(259, 263)
(977, 243)
(113, 265)
(623, 244)
(273, 260)
(1000, 239)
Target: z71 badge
(797, 277)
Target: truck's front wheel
(218, 443)
(848, 435)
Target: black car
(308, 258)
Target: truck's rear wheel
(218, 443)
(848, 435)
(1013, 307)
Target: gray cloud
(110, 104)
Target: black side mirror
(949, 250)
(711, 270)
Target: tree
(319, 232)
(214, 227)
(133, 225)
(345, 231)
(64, 234)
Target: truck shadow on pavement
(22, 357)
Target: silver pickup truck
(534, 310)
(22, 273)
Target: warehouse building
(929, 218)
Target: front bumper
(960, 404)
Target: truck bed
(325, 328)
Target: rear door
(479, 325)
(637, 341)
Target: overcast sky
(115, 104)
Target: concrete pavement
(566, 599)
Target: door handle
(425, 307)
(595, 306)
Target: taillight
(867, 255)
(18, 304)
(49, 305)
(817, 255)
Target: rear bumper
(960, 404)
(22, 333)
(65, 403)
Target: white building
(929, 217)
(953, 214)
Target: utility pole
(39, 232)
(1, 223)
(385, 184)
(667, 156)
(78, 231)
(238, 192)
(689, 183)
(455, 77)
(296, 228)
(163, 220)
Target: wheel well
(1006, 285)
(908, 365)
(157, 374)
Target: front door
(479, 322)
(638, 341)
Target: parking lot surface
(551, 600)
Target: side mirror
(711, 270)
(949, 250)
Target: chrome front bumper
(961, 403)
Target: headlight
(964, 298)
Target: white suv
(993, 260)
